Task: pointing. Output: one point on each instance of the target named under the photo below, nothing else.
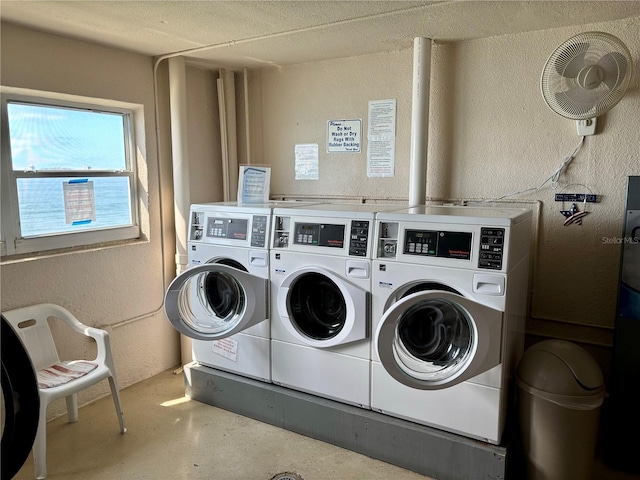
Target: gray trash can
(560, 392)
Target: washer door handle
(488, 284)
(259, 258)
(358, 268)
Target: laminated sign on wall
(344, 136)
(381, 138)
(306, 164)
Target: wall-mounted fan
(585, 77)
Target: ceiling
(244, 33)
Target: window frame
(12, 243)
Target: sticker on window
(79, 202)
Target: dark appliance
(622, 442)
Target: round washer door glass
(317, 307)
(211, 302)
(434, 339)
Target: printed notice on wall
(306, 164)
(79, 202)
(381, 138)
(344, 136)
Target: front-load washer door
(215, 301)
(436, 339)
(322, 309)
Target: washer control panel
(229, 228)
(472, 245)
(354, 234)
(212, 228)
(438, 244)
(359, 238)
(259, 231)
(491, 248)
(319, 235)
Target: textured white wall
(490, 133)
(295, 103)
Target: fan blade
(578, 101)
(570, 61)
(615, 67)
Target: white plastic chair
(57, 379)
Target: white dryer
(449, 299)
(222, 299)
(320, 263)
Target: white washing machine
(320, 263)
(222, 299)
(449, 290)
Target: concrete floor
(172, 437)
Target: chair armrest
(103, 343)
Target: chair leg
(72, 407)
(40, 444)
(116, 400)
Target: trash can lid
(560, 367)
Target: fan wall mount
(586, 76)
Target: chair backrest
(30, 323)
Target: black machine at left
(21, 402)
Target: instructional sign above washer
(344, 136)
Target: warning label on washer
(227, 348)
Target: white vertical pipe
(246, 114)
(180, 154)
(180, 161)
(224, 152)
(232, 137)
(419, 120)
(228, 133)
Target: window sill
(28, 257)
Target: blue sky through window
(53, 138)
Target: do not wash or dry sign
(344, 136)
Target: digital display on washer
(319, 234)
(229, 228)
(438, 244)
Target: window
(68, 172)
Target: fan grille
(563, 81)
